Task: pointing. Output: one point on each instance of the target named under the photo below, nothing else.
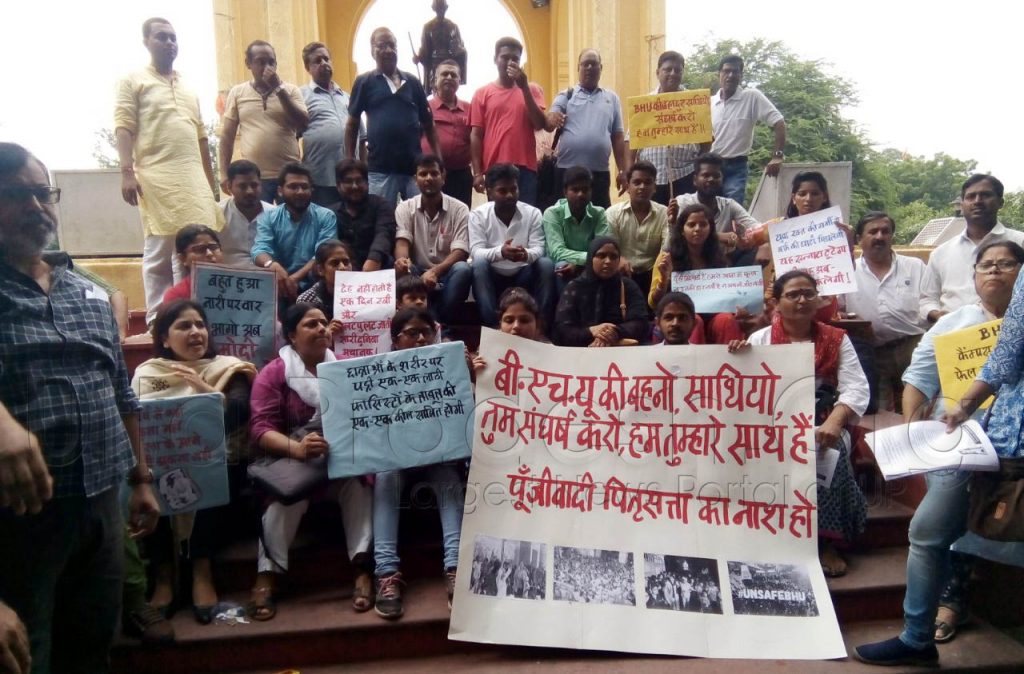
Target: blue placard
(183, 439)
(722, 290)
(241, 309)
(396, 410)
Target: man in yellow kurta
(165, 159)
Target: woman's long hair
(807, 177)
(711, 252)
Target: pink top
(273, 405)
(508, 134)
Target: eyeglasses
(204, 248)
(795, 295)
(352, 181)
(44, 194)
(988, 266)
(416, 333)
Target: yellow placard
(960, 356)
(676, 118)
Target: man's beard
(29, 236)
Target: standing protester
(888, 290)
(267, 115)
(69, 435)
(451, 119)
(504, 116)
(397, 115)
(734, 112)
(323, 141)
(674, 162)
(949, 281)
(591, 124)
(164, 155)
(240, 213)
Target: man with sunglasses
(69, 436)
(165, 158)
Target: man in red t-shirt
(504, 115)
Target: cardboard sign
(816, 244)
(364, 301)
(960, 356)
(722, 290)
(676, 118)
(241, 310)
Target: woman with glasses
(410, 329)
(193, 243)
(841, 396)
(941, 517)
(286, 424)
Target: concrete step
(319, 630)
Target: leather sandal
(263, 605)
(362, 593)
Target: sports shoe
(449, 584)
(147, 624)
(895, 652)
(388, 603)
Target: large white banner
(647, 499)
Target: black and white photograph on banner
(508, 568)
(682, 583)
(771, 589)
(589, 576)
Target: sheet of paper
(924, 446)
(364, 301)
(815, 243)
(825, 466)
(241, 310)
(722, 290)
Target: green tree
(1012, 212)
(911, 218)
(811, 99)
(935, 182)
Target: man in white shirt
(506, 240)
(240, 212)
(949, 280)
(734, 113)
(888, 289)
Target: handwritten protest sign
(396, 410)
(183, 439)
(675, 118)
(715, 290)
(364, 301)
(816, 244)
(656, 500)
(960, 356)
(241, 309)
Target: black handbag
(996, 510)
(290, 480)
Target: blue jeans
(444, 480)
(389, 185)
(527, 185)
(453, 289)
(734, 179)
(268, 190)
(938, 522)
(538, 278)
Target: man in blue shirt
(323, 143)
(288, 234)
(397, 114)
(591, 126)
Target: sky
(930, 75)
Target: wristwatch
(137, 477)
(778, 154)
(266, 265)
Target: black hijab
(594, 294)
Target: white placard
(816, 244)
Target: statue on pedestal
(441, 40)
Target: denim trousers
(388, 186)
(939, 521)
(446, 483)
(452, 290)
(734, 179)
(538, 278)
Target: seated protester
(730, 218)
(365, 221)
(941, 517)
(193, 243)
(432, 240)
(185, 362)
(519, 315)
(640, 225)
(601, 307)
(675, 317)
(331, 257)
(691, 245)
(411, 328)
(507, 246)
(841, 397)
(240, 213)
(287, 235)
(411, 292)
(286, 423)
(570, 226)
